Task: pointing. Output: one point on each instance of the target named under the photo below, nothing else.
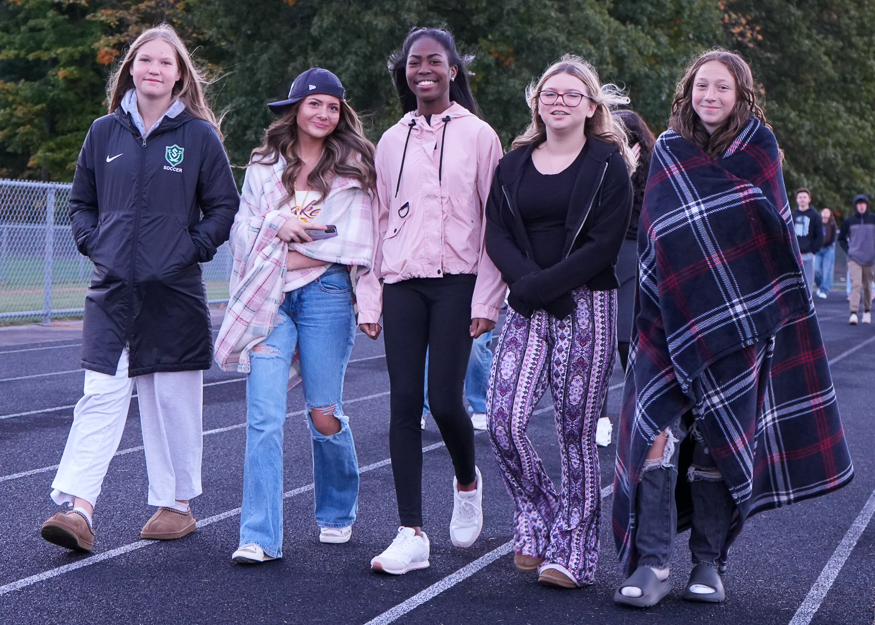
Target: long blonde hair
(601, 125)
(347, 152)
(189, 89)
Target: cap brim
(282, 106)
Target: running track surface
(808, 563)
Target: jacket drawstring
(404, 155)
(446, 120)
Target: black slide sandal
(652, 589)
(707, 576)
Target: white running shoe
(867, 317)
(853, 320)
(335, 535)
(603, 431)
(408, 552)
(467, 521)
(478, 420)
(250, 554)
(821, 295)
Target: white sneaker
(821, 295)
(408, 552)
(867, 317)
(853, 320)
(603, 431)
(251, 554)
(335, 535)
(478, 420)
(467, 521)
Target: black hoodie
(809, 230)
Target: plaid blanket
(720, 280)
(259, 271)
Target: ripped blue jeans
(318, 319)
(656, 509)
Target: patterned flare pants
(576, 356)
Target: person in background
(641, 141)
(558, 211)
(857, 238)
(153, 196)
(809, 233)
(476, 381)
(824, 260)
(291, 291)
(726, 338)
(431, 279)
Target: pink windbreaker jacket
(432, 186)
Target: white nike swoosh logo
(109, 160)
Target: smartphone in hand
(316, 235)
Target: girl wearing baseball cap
(304, 222)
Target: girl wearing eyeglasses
(556, 217)
(431, 279)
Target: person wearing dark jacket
(824, 260)
(152, 197)
(857, 238)
(556, 216)
(809, 233)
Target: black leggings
(433, 314)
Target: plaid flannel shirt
(259, 270)
(720, 273)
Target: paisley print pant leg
(516, 384)
(582, 358)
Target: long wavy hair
(638, 132)
(189, 88)
(346, 152)
(685, 120)
(606, 97)
(460, 89)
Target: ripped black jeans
(656, 509)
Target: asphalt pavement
(807, 563)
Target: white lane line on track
(847, 353)
(36, 349)
(208, 384)
(130, 450)
(390, 616)
(821, 587)
(107, 555)
(81, 370)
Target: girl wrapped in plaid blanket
(728, 380)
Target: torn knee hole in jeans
(324, 420)
(696, 474)
(651, 464)
(265, 350)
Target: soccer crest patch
(174, 154)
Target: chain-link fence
(42, 275)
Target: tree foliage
(816, 62)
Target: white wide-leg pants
(171, 418)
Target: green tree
(51, 86)
(815, 60)
(264, 44)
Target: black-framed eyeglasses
(570, 98)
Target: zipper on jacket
(528, 243)
(588, 209)
(135, 240)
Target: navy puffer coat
(146, 212)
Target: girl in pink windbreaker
(431, 278)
